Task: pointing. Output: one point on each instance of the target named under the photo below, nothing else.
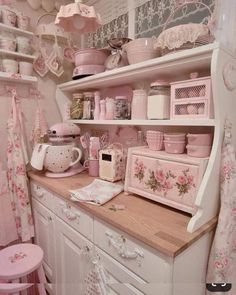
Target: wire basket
(185, 36)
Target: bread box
(169, 179)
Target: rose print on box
(185, 182)
(139, 170)
(160, 181)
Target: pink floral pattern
(185, 182)
(160, 181)
(222, 261)
(17, 177)
(17, 256)
(139, 170)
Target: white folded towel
(98, 192)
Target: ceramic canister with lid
(139, 105)
(158, 105)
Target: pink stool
(17, 261)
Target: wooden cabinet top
(158, 226)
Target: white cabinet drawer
(76, 218)
(144, 261)
(122, 281)
(42, 195)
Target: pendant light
(78, 17)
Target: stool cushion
(19, 260)
(12, 288)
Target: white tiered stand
(209, 59)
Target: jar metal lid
(160, 83)
(121, 97)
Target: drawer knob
(39, 192)
(118, 243)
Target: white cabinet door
(44, 236)
(69, 245)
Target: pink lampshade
(78, 17)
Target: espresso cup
(93, 167)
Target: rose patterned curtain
(222, 261)
(16, 172)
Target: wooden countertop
(158, 226)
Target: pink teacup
(23, 22)
(93, 167)
(9, 17)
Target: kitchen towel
(98, 192)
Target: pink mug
(93, 167)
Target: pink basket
(191, 99)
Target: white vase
(34, 4)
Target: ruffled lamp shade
(78, 17)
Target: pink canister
(139, 105)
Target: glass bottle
(121, 108)
(89, 106)
(76, 108)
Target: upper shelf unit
(210, 122)
(9, 77)
(168, 67)
(15, 30)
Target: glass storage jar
(121, 108)
(76, 108)
(89, 106)
(158, 106)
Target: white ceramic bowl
(174, 147)
(174, 136)
(204, 139)
(140, 50)
(198, 151)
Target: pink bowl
(200, 139)
(140, 50)
(198, 151)
(91, 56)
(174, 136)
(174, 147)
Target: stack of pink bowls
(199, 145)
(154, 140)
(174, 143)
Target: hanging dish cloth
(17, 178)
(94, 279)
(8, 232)
(222, 260)
(40, 127)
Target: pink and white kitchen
(117, 147)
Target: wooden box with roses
(170, 179)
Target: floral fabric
(17, 177)
(222, 261)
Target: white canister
(10, 66)
(139, 105)
(25, 68)
(158, 105)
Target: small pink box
(191, 99)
